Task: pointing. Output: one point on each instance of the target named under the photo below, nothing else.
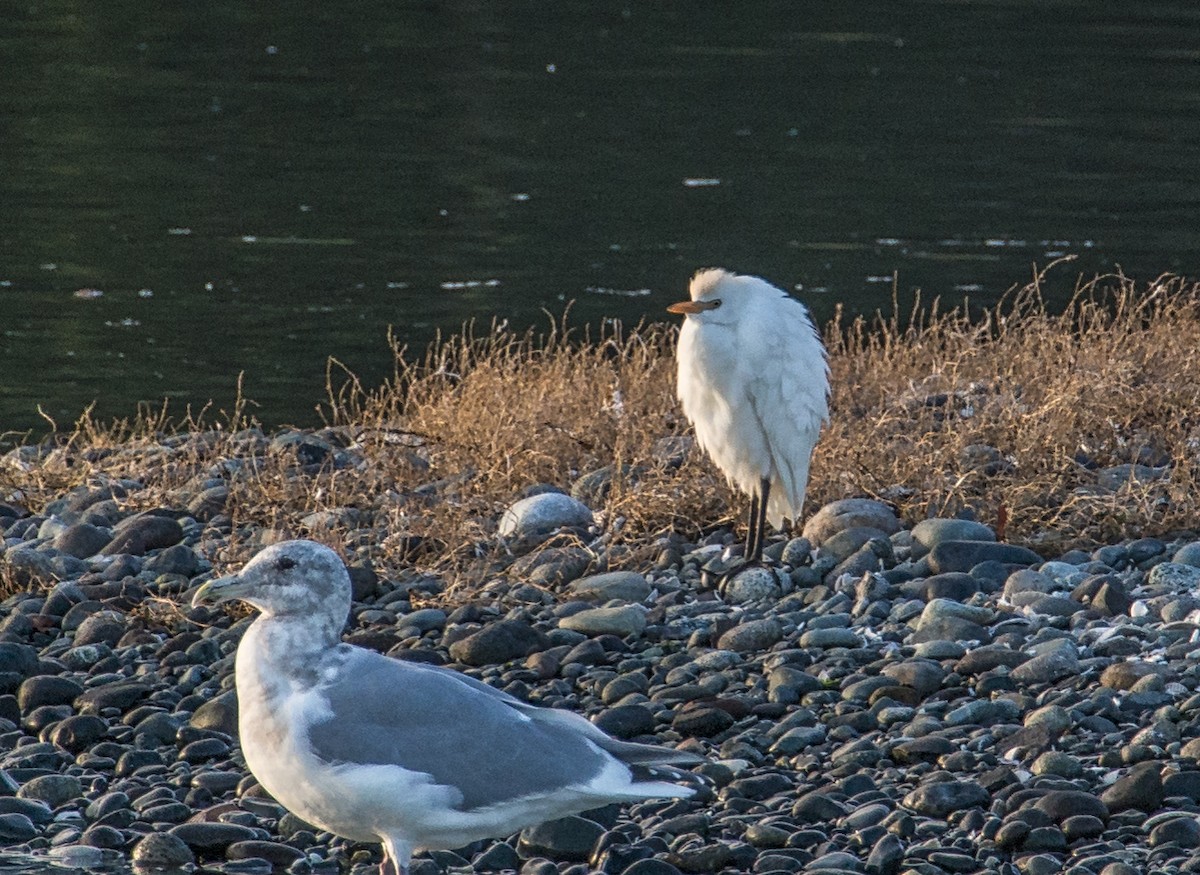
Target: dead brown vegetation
(1012, 414)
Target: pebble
(82, 540)
(954, 704)
(941, 798)
(1141, 788)
(209, 837)
(627, 586)
(850, 513)
(962, 556)
(620, 621)
(141, 533)
(161, 851)
(752, 585)
(47, 690)
(1174, 575)
(497, 643)
(752, 636)
(542, 514)
(15, 827)
(929, 533)
(54, 790)
(568, 838)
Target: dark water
(254, 189)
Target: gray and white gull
(406, 754)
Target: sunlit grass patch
(1013, 415)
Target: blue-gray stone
(16, 828)
(81, 540)
(1188, 554)
(627, 586)
(568, 838)
(1047, 668)
(751, 585)
(965, 555)
(929, 533)
(540, 514)
(620, 621)
(54, 790)
(751, 636)
(161, 850)
(940, 799)
(847, 513)
(1174, 575)
(146, 531)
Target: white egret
(754, 381)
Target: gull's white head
(292, 578)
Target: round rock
(621, 621)
(626, 721)
(81, 540)
(78, 732)
(940, 799)
(219, 713)
(847, 513)
(568, 838)
(498, 642)
(964, 555)
(137, 534)
(1175, 575)
(54, 790)
(161, 850)
(750, 585)
(626, 586)
(540, 514)
(46, 690)
(752, 636)
(209, 837)
(929, 533)
(106, 627)
(16, 827)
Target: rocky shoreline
(880, 699)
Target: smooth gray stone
(539, 514)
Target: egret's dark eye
(285, 562)
(716, 303)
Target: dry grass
(453, 438)
(1110, 381)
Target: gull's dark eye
(285, 562)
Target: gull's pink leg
(392, 857)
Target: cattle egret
(754, 381)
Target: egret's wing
(789, 397)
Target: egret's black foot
(717, 573)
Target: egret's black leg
(749, 551)
(759, 524)
(755, 537)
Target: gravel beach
(880, 699)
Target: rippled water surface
(194, 191)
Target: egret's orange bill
(685, 307)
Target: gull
(402, 753)
(753, 380)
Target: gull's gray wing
(465, 734)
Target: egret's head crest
(706, 280)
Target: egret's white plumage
(753, 380)
(409, 755)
